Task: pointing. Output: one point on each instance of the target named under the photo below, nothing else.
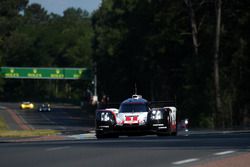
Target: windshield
(125, 108)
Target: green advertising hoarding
(44, 73)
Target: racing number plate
(131, 119)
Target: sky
(58, 6)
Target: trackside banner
(44, 73)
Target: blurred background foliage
(144, 43)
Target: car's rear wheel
(174, 133)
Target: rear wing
(162, 104)
(108, 105)
(152, 104)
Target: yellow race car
(27, 105)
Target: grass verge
(3, 125)
(5, 132)
(27, 133)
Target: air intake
(136, 96)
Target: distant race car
(135, 116)
(26, 105)
(44, 108)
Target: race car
(44, 108)
(26, 105)
(135, 116)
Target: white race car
(135, 116)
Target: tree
(10, 17)
(194, 26)
(219, 114)
(42, 40)
(234, 63)
(36, 14)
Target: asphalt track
(189, 149)
(144, 151)
(66, 118)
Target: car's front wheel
(102, 135)
(99, 135)
(162, 133)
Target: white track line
(57, 148)
(185, 161)
(224, 152)
(196, 159)
(2, 107)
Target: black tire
(99, 135)
(160, 134)
(114, 136)
(176, 130)
(174, 134)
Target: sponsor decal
(131, 120)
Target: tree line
(30, 37)
(193, 51)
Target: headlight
(156, 114)
(106, 116)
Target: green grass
(5, 132)
(27, 133)
(3, 125)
